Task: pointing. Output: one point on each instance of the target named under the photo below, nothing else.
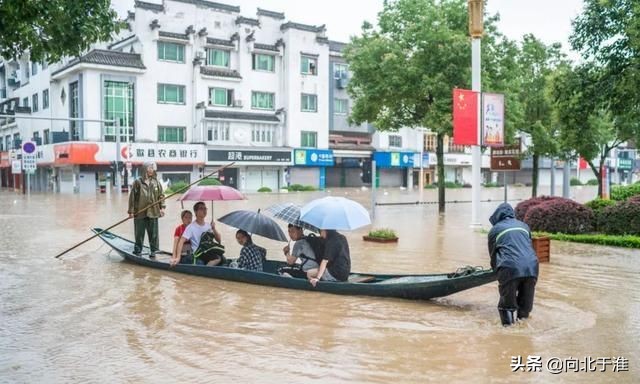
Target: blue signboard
(393, 159)
(313, 157)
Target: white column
(476, 155)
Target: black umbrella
(254, 223)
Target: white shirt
(194, 231)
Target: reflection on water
(93, 318)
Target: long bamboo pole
(144, 209)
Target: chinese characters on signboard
(506, 158)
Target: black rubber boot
(523, 315)
(506, 317)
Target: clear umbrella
(336, 213)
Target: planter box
(379, 240)
(542, 246)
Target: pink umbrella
(211, 193)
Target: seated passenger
(252, 256)
(193, 233)
(303, 250)
(336, 262)
(186, 218)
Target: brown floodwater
(90, 317)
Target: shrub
(575, 181)
(210, 181)
(383, 233)
(616, 241)
(492, 185)
(598, 204)
(301, 188)
(621, 219)
(264, 189)
(431, 186)
(620, 192)
(560, 215)
(523, 206)
(592, 182)
(451, 184)
(177, 186)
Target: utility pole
(476, 29)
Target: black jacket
(510, 245)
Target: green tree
(537, 62)
(586, 122)
(51, 29)
(404, 70)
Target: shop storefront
(310, 167)
(252, 169)
(393, 168)
(351, 168)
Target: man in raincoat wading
(146, 190)
(516, 264)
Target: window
(395, 141)
(264, 62)
(430, 142)
(34, 68)
(262, 100)
(44, 65)
(170, 94)
(308, 65)
(34, 102)
(171, 134)
(340, 71)
(170, 52)
(36, 137)
(118, 104)
(45, 137)
(218, 57)
(221, 97)
(45, 99)
(74, 111)
(309, 103)
(340, 106)
(25, 102)
(217, 130)
(262, 133)
(309, 139)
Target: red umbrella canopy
(211, 193)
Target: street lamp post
(476, 29)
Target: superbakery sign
(313, 157)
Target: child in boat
(186, 218)
(252, 257)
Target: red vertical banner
(465, 117)
(582, 163)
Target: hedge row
(616, 241)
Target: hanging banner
(492, 120)
(465, 117)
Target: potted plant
(383, 235)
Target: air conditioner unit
(237, 103)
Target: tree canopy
(51, 29)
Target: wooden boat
(418, 287)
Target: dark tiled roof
(302, 27)
(173, 35)
(265, 47)
(220, 72)
(275, 15)
(212, 5)
(246, 20)
(23, 110)
(149, 6)
(336, 46)
(226, 43)
(351, 147)
(322, 40)
(121, 41)
(105, 57)
(215, 114)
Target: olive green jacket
(144, 192)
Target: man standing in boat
(516, 263)
(146, 205)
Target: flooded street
(90, 317)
